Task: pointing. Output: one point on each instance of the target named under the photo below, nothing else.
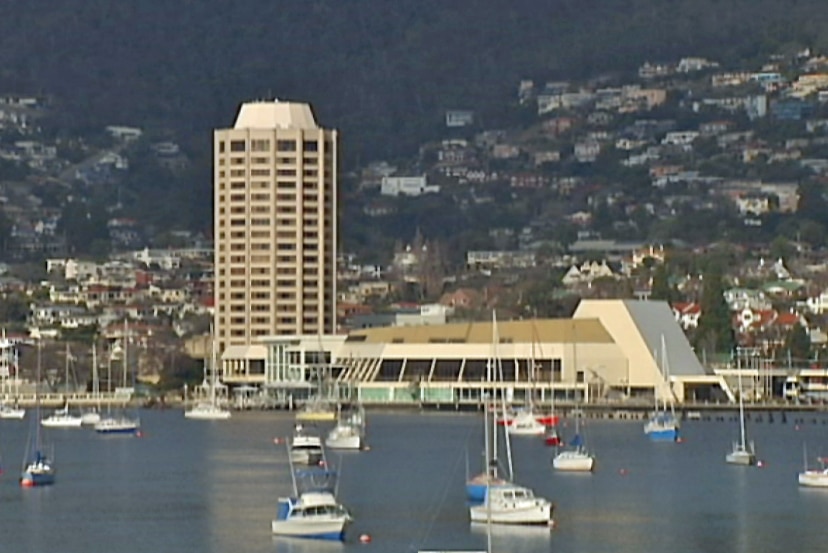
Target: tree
(798, 343)
(715, 332)
(661, 289)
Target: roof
(524, 331)
(275, 115)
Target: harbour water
(211, 487)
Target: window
(237, 271)
(260, 222)
(236, 234)
(221, 147)
(309, 161)
(260, 209)
(260, 270)
(286, 172)
(260, 172)
(262, 283)
(286, 145)
(260, 234)
(310, 146)
(237, 146)
(237, 173)
(260, 246)
(236, 259)
(259, 145)
(236, 161)
(237, 210)
(238, 185)
(260, 259)
(260, 160)
(237, 197)
(286, 160)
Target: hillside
(382, 71)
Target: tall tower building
(275, 188)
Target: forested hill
(382, 71)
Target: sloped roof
(523, 331)
(275, 115)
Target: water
(211, 487)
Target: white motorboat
(311, 515)
(512, 504)
(62, 418)
(90, 418)
(344, 436)
(526, 423)
(305, 449)
(10, 412)
(349, 432)
(207, 411)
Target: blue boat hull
(30, 480)
(667, 435)
(475, 493)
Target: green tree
(715, 331)
(661, 289)
(798, 343)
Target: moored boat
(314, 514)
(512, 504)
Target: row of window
(263, 145)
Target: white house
(407, 186)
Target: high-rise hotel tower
(275, 188)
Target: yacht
(314, 514)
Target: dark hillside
(380, 70)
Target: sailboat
(62, 418)
(525, 422)
(38, 468)
(663, 426)
(119, 423)
(743, 453)
(813, 478)
(477, 487)
(576, 458)
(93, 416)
(210, 409)
(509, 503)
(8, 361)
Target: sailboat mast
(212, 367)
(741, 411)
(499, 375)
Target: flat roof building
(275, 190)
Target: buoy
(365, 538)
(760, 464)
(679, 440)
(277, 441)
(622, 472)
(796, 427)
(366, 448)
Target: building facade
(275, 192)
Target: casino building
(608, 350)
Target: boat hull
(208, 414)
(62, 422)
(740, 456)
(352, 442)
(110, 426)
(538, 514)
(663, 435)
(314, 529)
(573, 462)
(13, 414)
(38, 473)
(814, 479)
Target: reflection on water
(296, 545)
(515, 538)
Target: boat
(210, 409)
(477, 486)
(512, 504)
(744, 452)
(349, 432)
(507, 502)
(119, 423)
(38, 468)
(662, 426)
(11, 412)
(576, 458)
(313, 510)
(525, 423)
(8, 364)
(62, 418)
(813, 478)
(305, 448)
